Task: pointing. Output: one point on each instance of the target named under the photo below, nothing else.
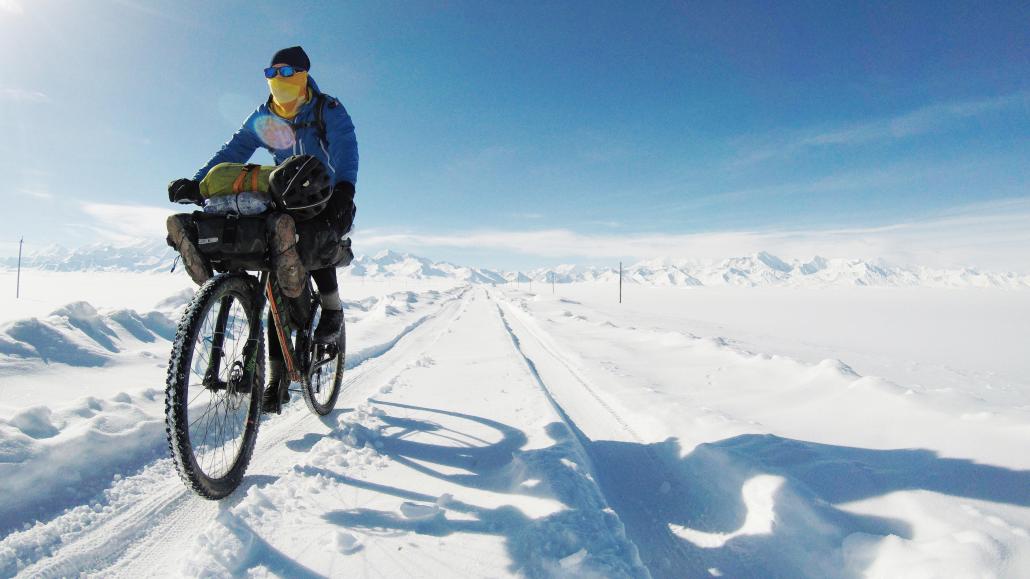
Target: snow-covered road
(490, 432)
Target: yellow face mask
(288, 93)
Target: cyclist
(296, 119)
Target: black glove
(185, 191)
(341, 206)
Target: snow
(51, 460)
(758, 495)
(972, 341)
(725, 417)
(761, 428)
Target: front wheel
(215, 379)
(324, 364)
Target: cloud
(989, 235)
(860, 180)
(126, 223)
(21, 95)
(916, 122)
(992, 235)
(920, 121)
(37, 193)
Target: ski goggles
(283, 71)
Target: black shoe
(328, 329)
(277, 393)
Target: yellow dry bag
(234, 178)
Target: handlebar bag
(232, 242)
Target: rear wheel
(215, 378)
(325, 364)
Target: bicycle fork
(241, 375)
(211, 379)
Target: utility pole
(17, 287)
(620, 282)
(552, 282)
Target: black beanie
(293, 56)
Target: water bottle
(247, 203)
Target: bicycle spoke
(206, 412)
(200, 390)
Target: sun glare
(11, 6)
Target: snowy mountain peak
(773, 261)
(388, 256)
(756, 270)
(816, 264)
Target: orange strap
(237, 185)
(254, 171)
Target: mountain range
(758, 270)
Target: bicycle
(216, 374)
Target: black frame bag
(232, 242)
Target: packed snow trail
(457, 466)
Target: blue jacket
(299, 136)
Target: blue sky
(519, 134)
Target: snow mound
(175, 301)
(53, 459)
(79, 335)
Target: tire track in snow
(134, 530)
(563, 360)
(664, 554)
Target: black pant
(325, 281)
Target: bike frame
(282, 331)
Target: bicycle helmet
(300, 186)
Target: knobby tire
(238, 288)
(319, 401)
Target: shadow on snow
(654, 489)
